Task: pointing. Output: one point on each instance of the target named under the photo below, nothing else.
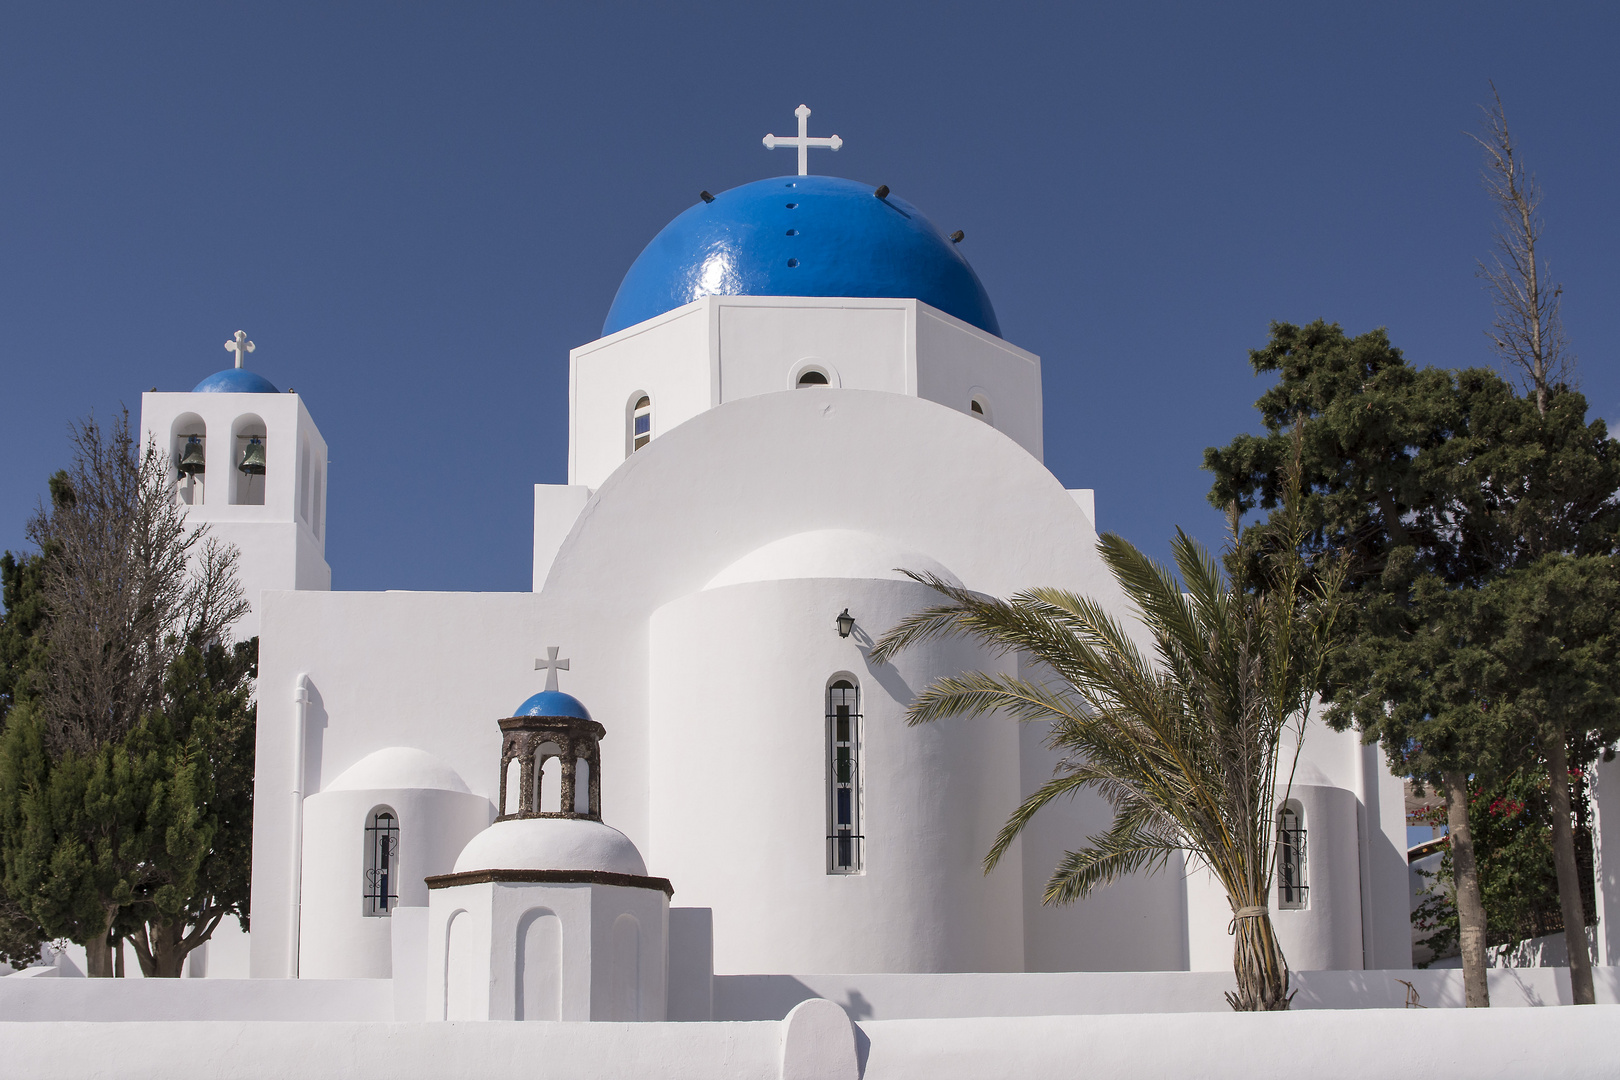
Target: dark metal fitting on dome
(958, 236)
(882, 192)
(705, 196)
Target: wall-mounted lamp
(846, 623)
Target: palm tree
(1185, 744)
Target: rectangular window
(844, 839)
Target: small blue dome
(235, 380)
(553, 703)
(800, 236)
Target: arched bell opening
(188, 439)
(250, 461)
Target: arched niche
(538, 981)
(188, 445)
(305, 484)
(250, 445)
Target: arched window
(382, 862)
(812, 377)
(638, 430)
(979, 405)
(1292, 887)
(844, 839)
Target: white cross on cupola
(241, 346)
(551, 665)
(804, 142)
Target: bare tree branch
(1527, 332)
(129, 585)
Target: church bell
(253, 458)
(191, 459)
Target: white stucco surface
(1331, 1045)
(399, 767)
(551, 844)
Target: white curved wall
(337, 940)
(1324, 935)
(739, 786)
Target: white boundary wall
(1567, 1044)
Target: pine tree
(1442, 485)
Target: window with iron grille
(382, 863)
(1292, 889)
(844, 839)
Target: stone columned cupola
(549, 914)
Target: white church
(668, 785)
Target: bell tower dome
(248, 460)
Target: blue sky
(417, 210)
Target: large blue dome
(235, 380)
(800, 236)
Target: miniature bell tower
(248, 460)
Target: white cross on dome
(240, 345)
(804, 142)
(551, 665)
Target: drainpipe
(296, 869)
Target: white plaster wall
(338, 940)
(494, 912)
(725, 348)
(1345, 1045)
(764, 345)
(556, 508)
(650, 910)
(1238, 1046)
(1326, 934)
(739, 785)
(1138, 923)
(1099, 993)
(669, 358)
(956, 362)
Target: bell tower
(248, 460)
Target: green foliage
(152, 830)
(205, 733)
(1436, 483)
(1513, 849)
(24, 619)
(22, 650)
